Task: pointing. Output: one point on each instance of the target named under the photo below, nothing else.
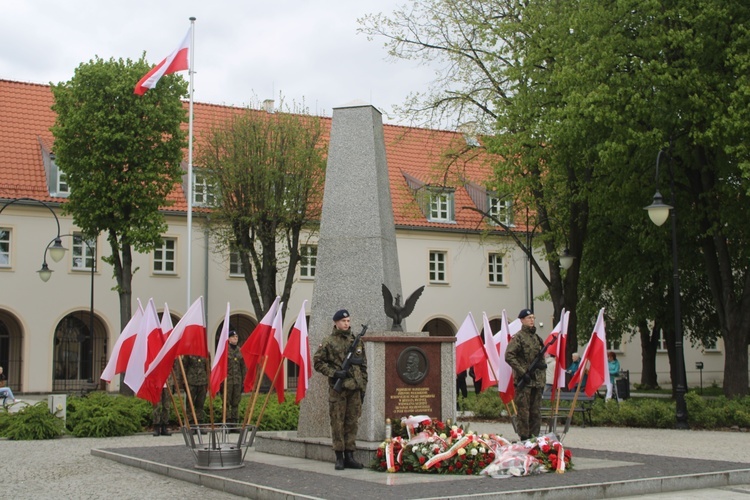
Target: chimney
(268, 105)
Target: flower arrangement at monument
(431, 446)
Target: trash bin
(623, 385)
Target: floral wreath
(431, 446)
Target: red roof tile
(26, 118)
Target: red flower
(440, 425)
(469, 472)
(545, 448)
(568, 455)
(382, 464)
(534, 452)
(422, 460)
(380, 453)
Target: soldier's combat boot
(164, 431)
(339, 460)
(157, 430)
(350, 462)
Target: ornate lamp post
(45, 273)
(56, 251)
(658, 211)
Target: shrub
(101, 415)
(34, 422)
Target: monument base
(287, 443)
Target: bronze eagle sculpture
(394, 309)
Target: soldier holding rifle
(341, 358)
(529, 374)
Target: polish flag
(178, 60)
(468, 342)
(297, 350)
(486, 371)
(148, 342)
(595, 356)
(219, 367)
(558, 335)
(504, 373)
(274, 348)
(255, 346)
(166, 322)
(118, 362)
(187, 338)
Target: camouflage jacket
(522, 349)
(195, 370)
(236, 367)
(330, 357)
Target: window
(235, 264)
(500, 209)
(438, 267)
(441, 206)
(662, 345)
(614, 345)
(4, 247)
(164, 257)
(83, 253)
(62, 182)
(711, 346)
(495, 269)
(309, 255)
(203, 191)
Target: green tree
(121, 153)
(267, 171)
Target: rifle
(520, 384)
(339, 385)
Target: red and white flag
(148, 342)
(178, 60)
(297, 350)
(558, 335)
(468, 342)
(255, 346)
(118, 362)
(505, 372)
(595, 356)
(187, 338)
(486, 371)
(274, 360)
(219, 367)
(166, 322)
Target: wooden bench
(584, 405)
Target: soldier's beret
(340, 314)
(524, 313)
(232, 333)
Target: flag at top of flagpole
(219, 367)
(594, 360)
(166, 322)
(148, 342)
(255, 346)
(468, 342)
(274, 361)
(178, 60)
(505, 373)
(297, 350)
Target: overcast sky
(245, 50)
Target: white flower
(443, 436)
(474, 451)
(462, 451)
(482, 450)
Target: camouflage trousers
(198, 393)
(529, 420)
(160, 413)
(234, 395)
(344, 409)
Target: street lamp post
(45, 273)
(57, 251)
(658, 211)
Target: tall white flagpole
(190, 165)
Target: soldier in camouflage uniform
(522, 349)
(236, 370)
(344, 408)
(160, 415)
(197, 378)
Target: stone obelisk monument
(356, 252)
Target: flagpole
(190, 163)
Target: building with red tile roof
(48, 339)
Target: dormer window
(440, 208)
(500, 209)
(203, 191)
(62, 181)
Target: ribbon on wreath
(412, 422)
(560, 458)
(461, 443)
